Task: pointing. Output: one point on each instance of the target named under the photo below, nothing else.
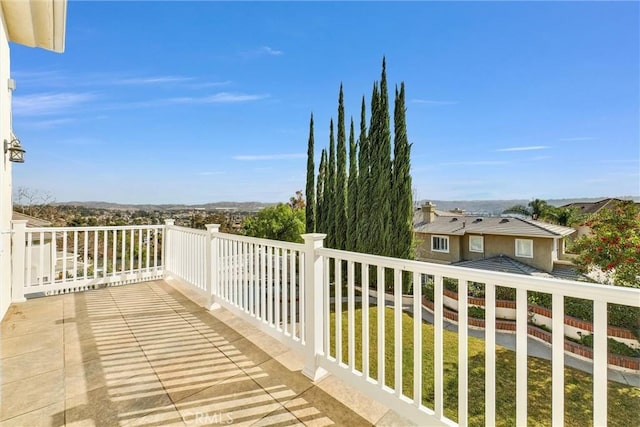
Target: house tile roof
(505, 264)
(511, 226)
(592, 207)
(31, 221)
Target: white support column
(313, 305)
(166, 247)
(211, 265)
(18, 245)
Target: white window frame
(529, 243)
(444, 239)
(475, 237)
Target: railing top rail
(594, 291)
(264, 242)
(189, 230)
(94, 228)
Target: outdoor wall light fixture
(16, 152)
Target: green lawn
(623, 405)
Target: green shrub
(613, 346)
(476, 312)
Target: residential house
(451, 237)
(591, 208)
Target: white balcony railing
(335, 307)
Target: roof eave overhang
(36, 23)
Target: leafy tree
(563, 216)
(340, 230)
(379, 141)
(402, 203)
(363, 183)
(280, 222)
(330, 191)
(297, 201)
(536, 209)
(352, 200)
(321, 221)
(613, 247)
(310, 214)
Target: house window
(440, 243)
(476, 243)
(524, 248)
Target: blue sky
(195, 102)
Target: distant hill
(238, 206)
(473, 207)
(496, 207)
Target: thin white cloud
(270, 51)
(260, 52)
(152, 80)
(210, 84)
(46, 124)
(254, 157)
(432, 102)
(529, 148)
(475, 163)
(218, 98)
(49, 103)
(576, 139)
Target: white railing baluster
(64, 255)
(41, 269)
(438, 347)
(600, 356)
(75, 254)
(351, 316)
(364, 274)
(327, 308)
(557, 360)
(337, 278)
(270, 285)
(263, 283)
(463, 358)
(521, 356)
(381, 337)
(397, 331)
(302, 293)
(285, 291)
(295, 324)
(277, 300)
(417, 339)
(28, 261)
(115, 252)
(490, 354)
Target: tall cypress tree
(321, 222)
(330, 191)
(402, 218)
(341, 180)
(363, 183)
(352, 193)
(310, 209)
(383, 162)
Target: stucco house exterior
(34, 23)
(451, 237)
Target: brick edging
(570, 346)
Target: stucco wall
(5, 175)
(424, 252)
(493, 245)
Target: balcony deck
(147, 354)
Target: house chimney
(428, 212)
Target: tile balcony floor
(147, 354)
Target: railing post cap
(313, 237)
(19, 222)
(213, 228)
(169, 222)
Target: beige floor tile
(354, 400)
(279, 418)
(238, 399)
(104, 407)
(392, 419)
(315, 407)
(48, 416)
(279, 381)
(16, 327)
(270, 345)
(51, 340)
(31, 364)
(26, 395)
